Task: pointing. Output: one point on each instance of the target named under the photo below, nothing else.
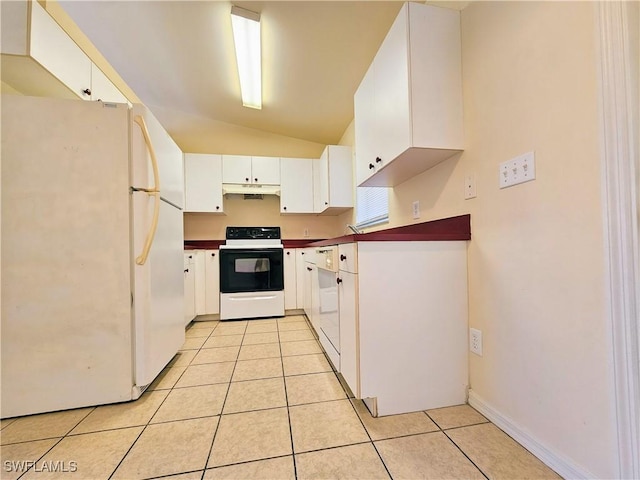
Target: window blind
(372, 206)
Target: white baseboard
(562, 466)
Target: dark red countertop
(452, 228)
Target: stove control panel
(253, 233)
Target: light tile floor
(257, 399)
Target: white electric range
(251, 273)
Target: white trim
(619, 157)
(561, 465)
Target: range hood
(232, 188)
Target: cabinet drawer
(348, 256)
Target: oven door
(251, 270)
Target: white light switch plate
(519, 169)
(415, 207)
(469, 187)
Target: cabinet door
(55, 51)
(189, 288)
(308, 274)
(340, 176)
(212, 282)
(265, 170)
(300, 277)
(365, 138)
(323, 169)
(199, 273)
(318, 205)
(347, 294)
(203, 183)
(290, 285)
(103, 89)
(236, 169)
(315, 299)
(391, 89)
(296, 185)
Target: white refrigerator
(92, 287)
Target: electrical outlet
(469, 187)
(518, 170)
(475, 341)
(416, 209)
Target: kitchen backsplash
(264, 212)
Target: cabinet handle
(190, 256)
(217, 207)
(186, 270)
(326, 203)
(255, 179)
(302, 253)
(371, 166)
(343, 258)
(87, 91)
(284, 208)
(246, 179)
(288, 253)
(213, 254)
(378, 160)
(338, 280)
(309, 268)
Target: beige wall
(195, 134)
(266, 212)
(536, 286)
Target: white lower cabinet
(199, 274)
(201, 283)
(403, 325)
(301, 256)
(311, 298)
(290, 284)
(211, 282)
(348, 308)
(189, 286)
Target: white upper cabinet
(203, 183)
(39, 58)
(296, 185)
(54, 50)
(243, 170)
(333, 179)
(103, 89)
(408, 107)
(265, 170)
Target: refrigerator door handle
(155, 192)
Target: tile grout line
(466, 456)
(52, 446)
(286, 399)
(215, 433)
(144, 428)
(353, 408)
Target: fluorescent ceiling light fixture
(246, 36)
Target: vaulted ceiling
(178, 56)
